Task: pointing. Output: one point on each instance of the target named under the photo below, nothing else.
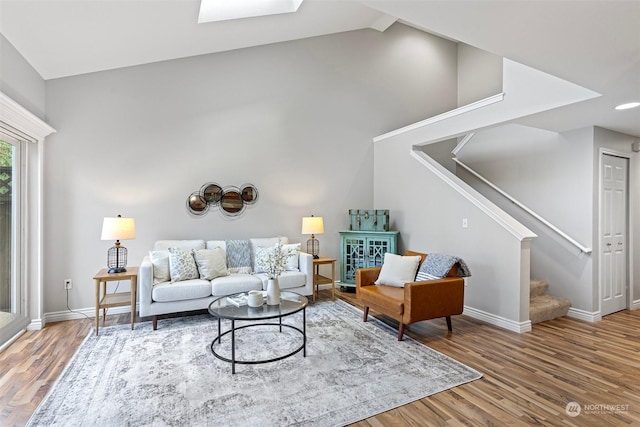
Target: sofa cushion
(238, 256)
(294, 255)
(286, 280)
(160, 261)
(264, 242)
(388, 299)
(184, 290)
(398, 270)
(261, 258)
(212, 244)
(182, 265)
(211, 263)
(234, 283)
(163, 245)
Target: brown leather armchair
(415, 302)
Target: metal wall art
(231, 200)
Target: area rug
(169, 377)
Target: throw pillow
(398, 270)
(211, 263)
(182, 265)
(160, 261)
(262, 255)
(292, 258)
(238, 256)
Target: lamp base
(117, 270)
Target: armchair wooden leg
(155, 322)
(400, 331)
(449, 323)
(366, 313)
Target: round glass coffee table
(290, 303)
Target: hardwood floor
(528, 378)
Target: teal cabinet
(362, 249)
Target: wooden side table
(318, 279)
(119, 299)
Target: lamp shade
(312, 225)
(118, 228)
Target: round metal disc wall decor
(249, 194)
(196, 204)
(212, 193)
(231, 203)
(231, 200)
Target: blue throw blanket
(436, 266)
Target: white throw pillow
(398, 270)
(182, 265)
(261, 257)
(160, 261)
(211, 263)
(294, 255)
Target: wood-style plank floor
(528, 378)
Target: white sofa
(163, 295)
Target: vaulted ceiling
(595, 44)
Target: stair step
(547, 307)
(537, 288)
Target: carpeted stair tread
(537, 288)
(547, 307)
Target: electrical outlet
(68, 284)
(465, 223)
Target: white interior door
(613, 234)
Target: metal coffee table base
(233, 330)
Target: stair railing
(513, 200)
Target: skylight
(223, 10)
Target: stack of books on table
(238, 300)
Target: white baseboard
(501, 322)
(587, 316)
(35, 325)
(82, 313)
(635, 305)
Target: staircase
(543, 307)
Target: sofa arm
(145, 286)
(305, 264)
(433, 298)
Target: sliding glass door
(12, 318)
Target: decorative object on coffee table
(117, 229)
(274, 263)
(313, 225)
(273, 292)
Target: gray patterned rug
(353, 370)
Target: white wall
(20, 81)
(429, 215)
(551, 174)
(295, 119)
(479, 74)
(557, 176)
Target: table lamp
(117, 229)
(313, 225)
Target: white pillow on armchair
(398, 270)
